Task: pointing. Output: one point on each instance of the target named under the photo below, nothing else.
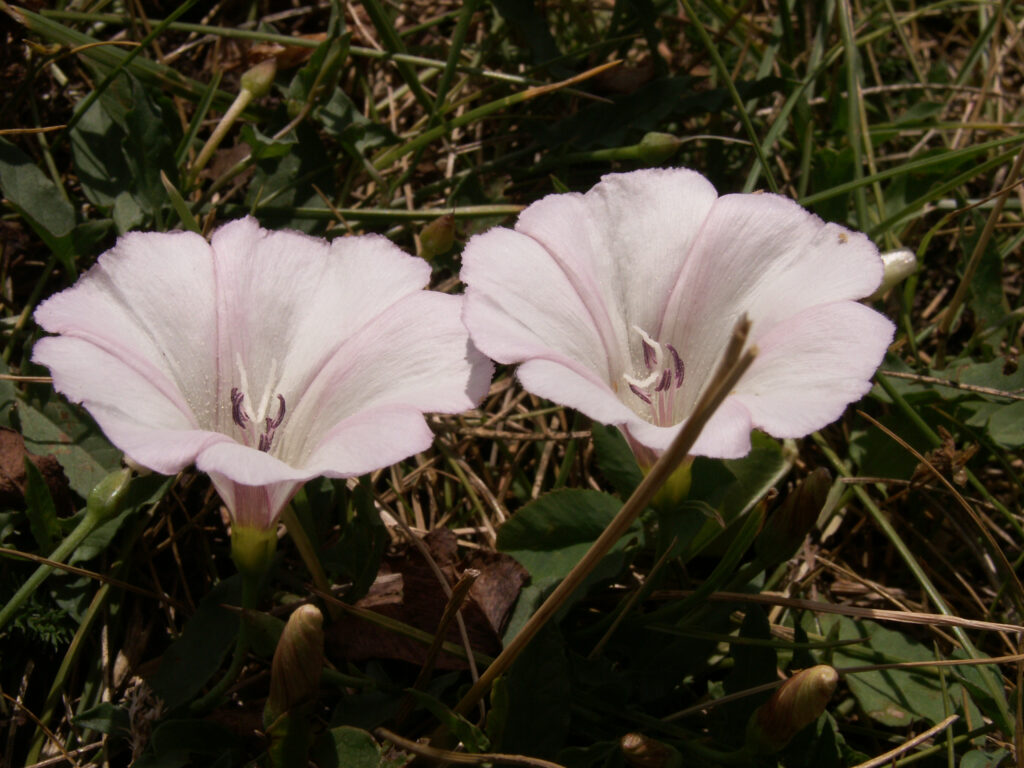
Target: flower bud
(107, 498)
(258, 79)
(298, 661)
(644, 752)
(899, 265)
(655, 147)
(796, 703)
(785, 530)
(437, 237)
(252, 549)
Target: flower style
(264, 358)
(619, 303)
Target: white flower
(265, 358)
(619, 303)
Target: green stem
(723, 72)
(63, 551)
(388, 158)
(308, 553)
(250, 593)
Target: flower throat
(665, 374)
(241, 417)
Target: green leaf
(142, 492)
(1006, 425)
(540, 697)
(548, 537)
(193, 658)
(346, 747)
(42, 514)
(152, 133)
(342, 119)
(263, 146)
(33, 194)
(359, 551)
(615, 459)
(474, 739)
(894, 697)
(70, 435)
(978, 759)
(39, 202)
(729, 487)
(173, 739)
(105, 718)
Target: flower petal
(812, 365)
(371, 439)
(253, 506)
(136, 414)
(725, 436)
(148, 302)
(416, 354)
(520, 304)
(289, 301)
(765, 256)
(623, 243)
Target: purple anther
(273, 424)
(677, 362)
(639, 393)
(265, 440)
(650, 355)
(238, 414)
(664, 382)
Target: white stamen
(642, 383)
(268, 392)
(658, 352)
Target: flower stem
(732, 367)
(308, 554)
(104, 502)
(59, 555)
(250, 593)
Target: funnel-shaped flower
(619, 303)
(265, 358)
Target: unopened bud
(899, 265)
(644, 752)
(655, 147)
(437, 237)
(785, 530)
(107, 498)
(796, 703)
(298, 661)
(258, 79)
(252, 549)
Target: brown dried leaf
(419, 600)
(12, 474)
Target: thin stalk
(308, 554)
(389, 157)
(454, 51)
(63, 551)
(394, 45)
(994, 689)
(94, 94)
(723, 72)
(250, 593)
(853, 100)
(733, 366)
(946, 321)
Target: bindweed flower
(264, 358)
(619, 303)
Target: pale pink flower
(264, 358)
(619, 303)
